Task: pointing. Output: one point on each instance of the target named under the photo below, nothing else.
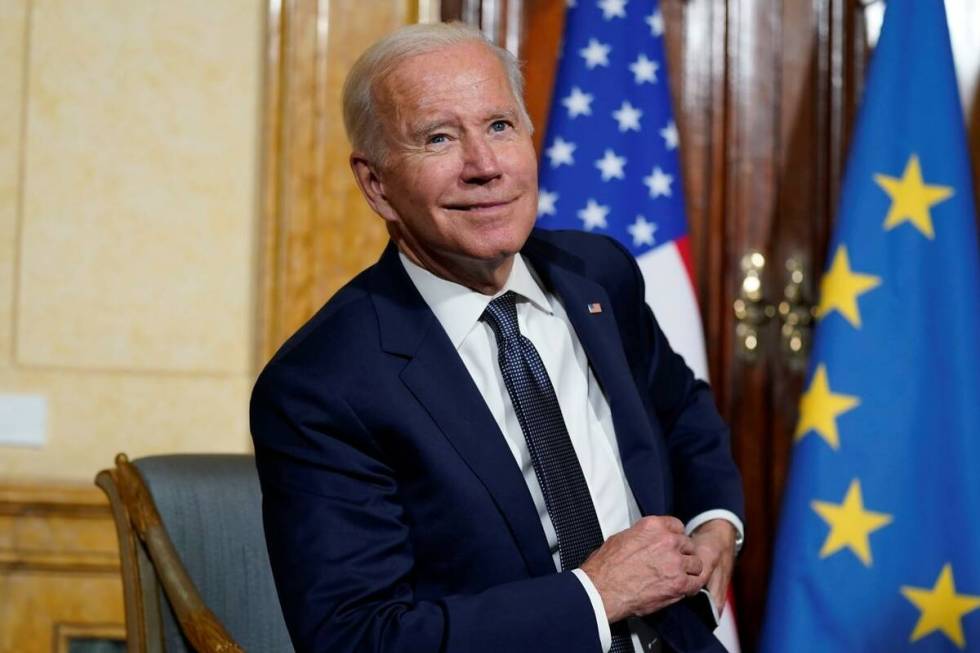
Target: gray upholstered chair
(195, 570)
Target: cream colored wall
(128, 172)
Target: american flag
(611, 164)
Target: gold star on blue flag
(879, 542)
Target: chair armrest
(198, 623)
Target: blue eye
(438, 139)
(499, 125)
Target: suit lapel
(603, 345)
(436, 376)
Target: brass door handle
(753, 311)
(796, 316)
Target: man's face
(459, 184)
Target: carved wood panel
(793, 70)
(316, 231)
(59, 568)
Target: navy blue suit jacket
(395, 515)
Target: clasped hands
(653, 564)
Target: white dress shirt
(542, 320)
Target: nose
(480, 163)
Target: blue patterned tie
(556, 466)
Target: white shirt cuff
(605, 634)
(727, 515)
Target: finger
(673, 524)
(707, 552)
(718, 586)
(693, 565)
(707, 572)
(719, 598)
(686, 546)
(662, 523)
(694, 585)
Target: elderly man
(484, 442)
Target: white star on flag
(658, 182)
(644, 70)
(611, 166)
(625, 180)
(578, 103)
(613, 9)
(669, 134)
(593, 215)
(642, 231)
(656, 23)
(546, 202)
(596, 54)
(628, 117)
(560, 152)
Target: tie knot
(501, 315)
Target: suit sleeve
(698, 440)
(340, 547)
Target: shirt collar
(459, 308)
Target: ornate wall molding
(59, 568)
(315, 230)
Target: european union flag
(879, 545)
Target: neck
(484, 277)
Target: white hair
(361, 119)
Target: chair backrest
(210, 508)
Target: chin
(510, 237)
(504, 246)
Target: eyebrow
(503, 114)
(427, 128)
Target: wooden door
(766, 92)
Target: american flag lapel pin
(595, 308)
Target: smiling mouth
(479, 206)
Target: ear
(368, 178)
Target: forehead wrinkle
(396, 103)
(408, 89)
(447, 80)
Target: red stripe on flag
(684, 249)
